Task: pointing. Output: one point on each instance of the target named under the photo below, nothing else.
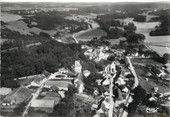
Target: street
(94, 26)
(129, 99)
(133, 72)
(111, 96)
(35, 95)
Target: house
(111, 68)
(120, 81)
(62, 94)
(106, 93)
(86, 73)
(103, 55)
(96, 92)
(35, 80)
(46, 73)
(106, 104)
(125, 90)
(166, 77)
(43, 105)
(65, 72)
(36, 83)
(168, 67)
(79, 83)
(94, 106)
(101, 89)
(103, 63)
(62, 85)
(17, 96)
(118, 94)
(5, 91)
(106, 82)
(77, 67)
(38, 80)
(125, 72)
(99, 82)
(157, 72)
(50, 95)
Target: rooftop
(29, 79)
(63, 84)
(4, 90)
(18, 95)
(42, 103)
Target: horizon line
(73, 1)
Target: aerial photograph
(85, 58)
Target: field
(146, 79)
(145, 61)
(22, 27)
(116, 41)
(82, 105)
(88, 35)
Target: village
(41, 93)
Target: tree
(130, 28)
(115, 33)
(139, 94)
(132, 108)
(43, 34)
(140, 18)
(166, 57)
(135, 38)
(20, 108)
(48, 56)
(115, 23)
(111, 58)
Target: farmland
(90, 34)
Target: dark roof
(103, 63)
(155, 70)
(29, 79)
(46, 73)
(63, 84)
(80, 76)
(18, 95)
(101, 89)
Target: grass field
(98, 32)
(22, 27)
(145, 61)
(142, 73)
(116, 41)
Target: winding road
(94, 26)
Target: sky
(85, 0)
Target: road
(129, 98)
(94, 26)
(111, 96)
(147, 46)
(15, 48)
(35, 95)
(133, 72)
(75, 38)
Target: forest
(49, 56)
(52, 19)
(16, 39)
(164, 27)
(140, 18)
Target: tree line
(164, 27)
(49, 56)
